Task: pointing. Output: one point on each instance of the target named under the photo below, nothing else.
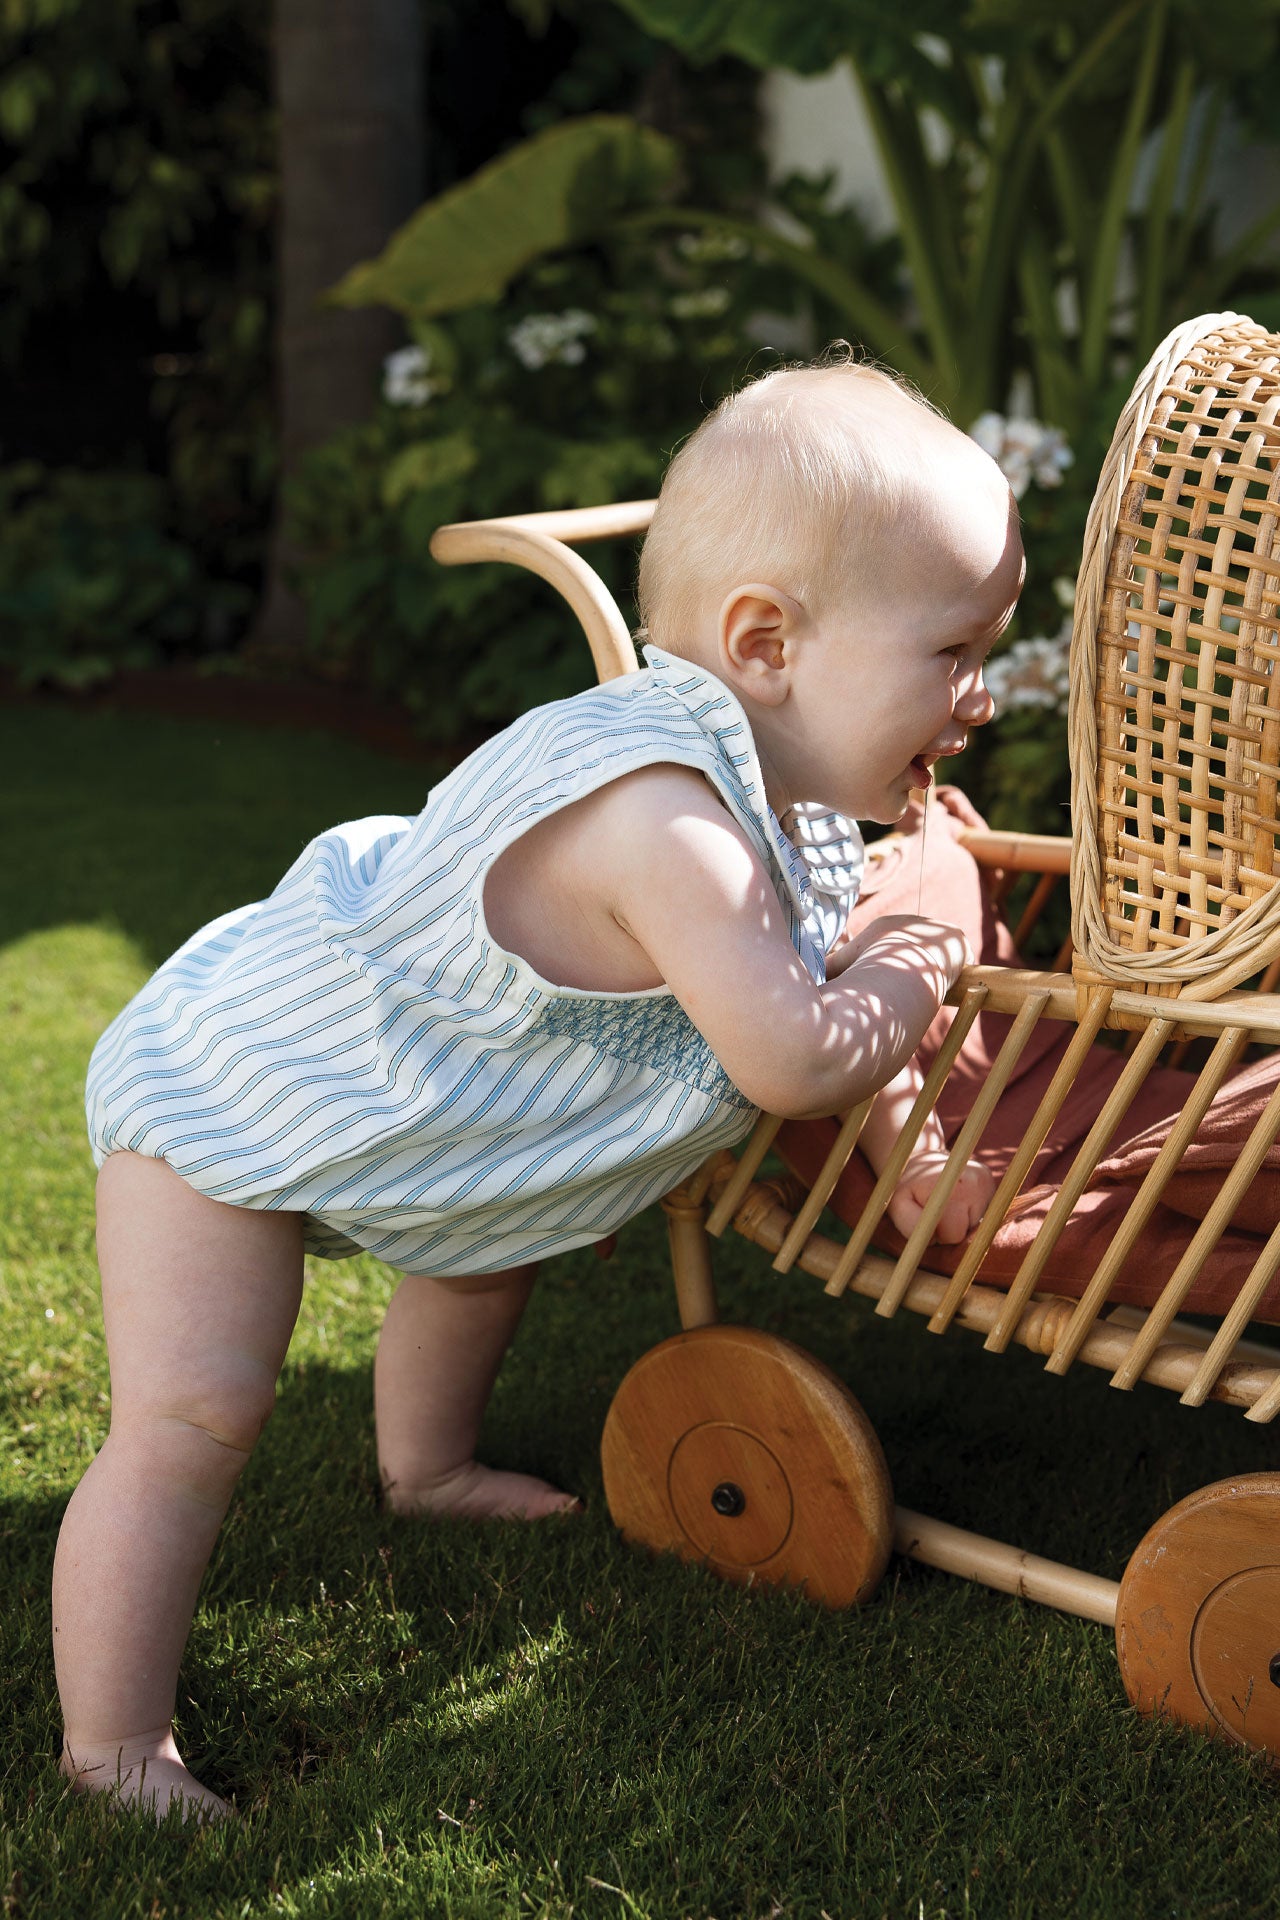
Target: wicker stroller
(738, 1450)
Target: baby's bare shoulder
(566, 893)
(660, 787)
(663, 807)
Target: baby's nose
(975, 706)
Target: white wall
(813, 124)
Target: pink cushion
(954, 889)
(1219, 1141)
(949, 885)
(804, 1144)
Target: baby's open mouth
(919, 772)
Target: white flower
(988, 431)
(1064, 592)
(1052, 459)
(404, 378)
(1032, 673)
(1024, 450)
(701, 304)
(709, 247)
(543, 337)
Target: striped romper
(357, 1049)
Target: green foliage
(1033, 152)
(1014, 141)
(573, 392)
(711, 111)
(137, 170)
(91, 579)
(460, 648)
(1014, 225)
(1017, 769)
(138, 178)
(768, 34)
(152, 116)
(562, 187)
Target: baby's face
(883, 691)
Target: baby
(471, 1040)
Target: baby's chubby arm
(682, 880)
(969, 1197)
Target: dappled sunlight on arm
(693, 894)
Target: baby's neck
(775, 787)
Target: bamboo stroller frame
(736, 1449)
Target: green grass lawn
(497, 1721)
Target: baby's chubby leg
(441, 1346)
(199, 1301)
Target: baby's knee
(216, 1423)
(235, 1420)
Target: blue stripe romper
(356, 1048)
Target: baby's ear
(758, 629)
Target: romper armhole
(674, 714)
(530, 979)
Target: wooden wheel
(736, 1449)
(1198, 1621)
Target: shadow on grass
(494, 1720)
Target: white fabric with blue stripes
(357, 1049)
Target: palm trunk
(349, 90)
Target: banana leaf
(558, 190)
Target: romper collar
(830, 845)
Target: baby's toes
(513, 1496)
(474, 1492)
(544, 1500)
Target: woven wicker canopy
(1175, 698)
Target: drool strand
(924, 828)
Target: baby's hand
(966, 1203)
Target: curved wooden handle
(576, 526)
(536, 541)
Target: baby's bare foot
(473, 1492)
(148, 1782)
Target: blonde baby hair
(796, 480)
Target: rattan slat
(1223, 1345)
(820, 1192)
(962, 1148)
(1225, 1053)
(970, 1007)
(762, 1218)
(1091, 1149)
(1034, 1138)
(762, 1138)
(1267, 1405)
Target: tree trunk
(349, 91)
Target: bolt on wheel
(738, 1450)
